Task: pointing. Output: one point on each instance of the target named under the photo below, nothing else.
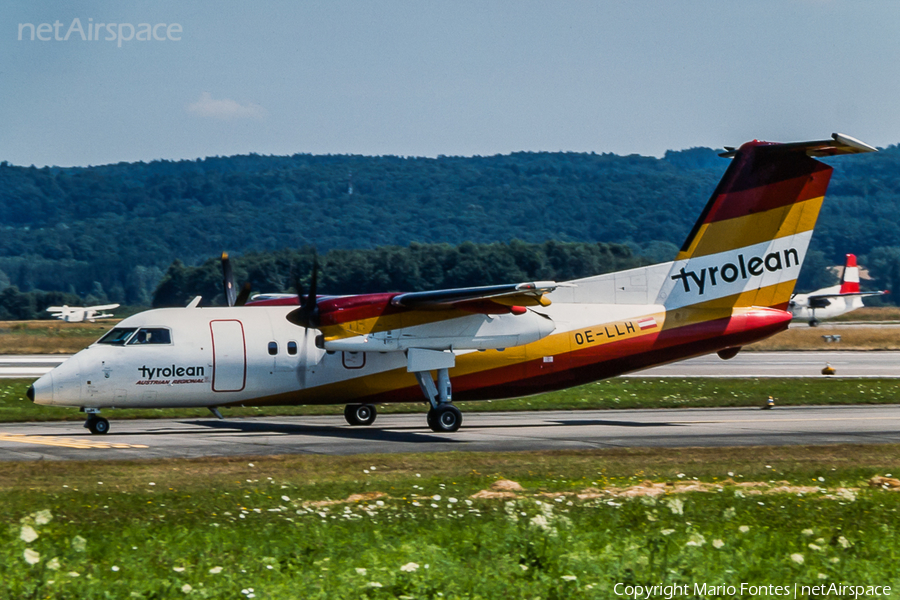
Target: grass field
(49, 337)
(666, 392)
(446, 526)
(811, 338)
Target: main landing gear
(95, 423)
(442, 417)
(360, 414)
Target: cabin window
(292, 348)
(117, 336)
(151, 335)
(273, 348)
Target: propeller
(307, 316)
(231, 295)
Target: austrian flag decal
(648, 323)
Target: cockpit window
(151, 335)
(117, 336)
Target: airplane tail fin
(850, 278)
(748, 245)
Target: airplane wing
(102, 307)
(513, 294)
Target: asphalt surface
(551, 430)
(784, 364)
(745, 364)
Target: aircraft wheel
(813, 322)
(97, 425)
(360, 414)
(446, 418)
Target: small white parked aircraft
(834, 300)
(730, 285)
(77, 314)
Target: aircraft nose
(41, 391)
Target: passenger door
(229, 355)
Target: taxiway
(512, 431)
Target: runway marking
(63, 442)
(22, 372)
(764, 420)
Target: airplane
(834, 300)
(729, 285)
(77, 314)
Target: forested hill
(114, 230)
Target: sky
(428, 77)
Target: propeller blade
(244, 295)
(308, 314)
(228, 280)
(232, 297)
(311, 298)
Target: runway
(29, 365)
(745, 364)
(783, 364)
(514, 431)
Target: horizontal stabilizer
(837, 145)
(848, 294)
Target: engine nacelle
(473, 332)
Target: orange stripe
(740, 232)
(501, 368)
(473, 362)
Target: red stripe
(731, 204)
(585, 365)
(355, 308)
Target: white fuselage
(837, 305)
(231, 356)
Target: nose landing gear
(95, 423)
(360, 414)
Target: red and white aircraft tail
(834, 300)
(850, 277)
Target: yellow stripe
(552, 345)
(768, 296)
(739, 232)
(389, 322)
(466, 364)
